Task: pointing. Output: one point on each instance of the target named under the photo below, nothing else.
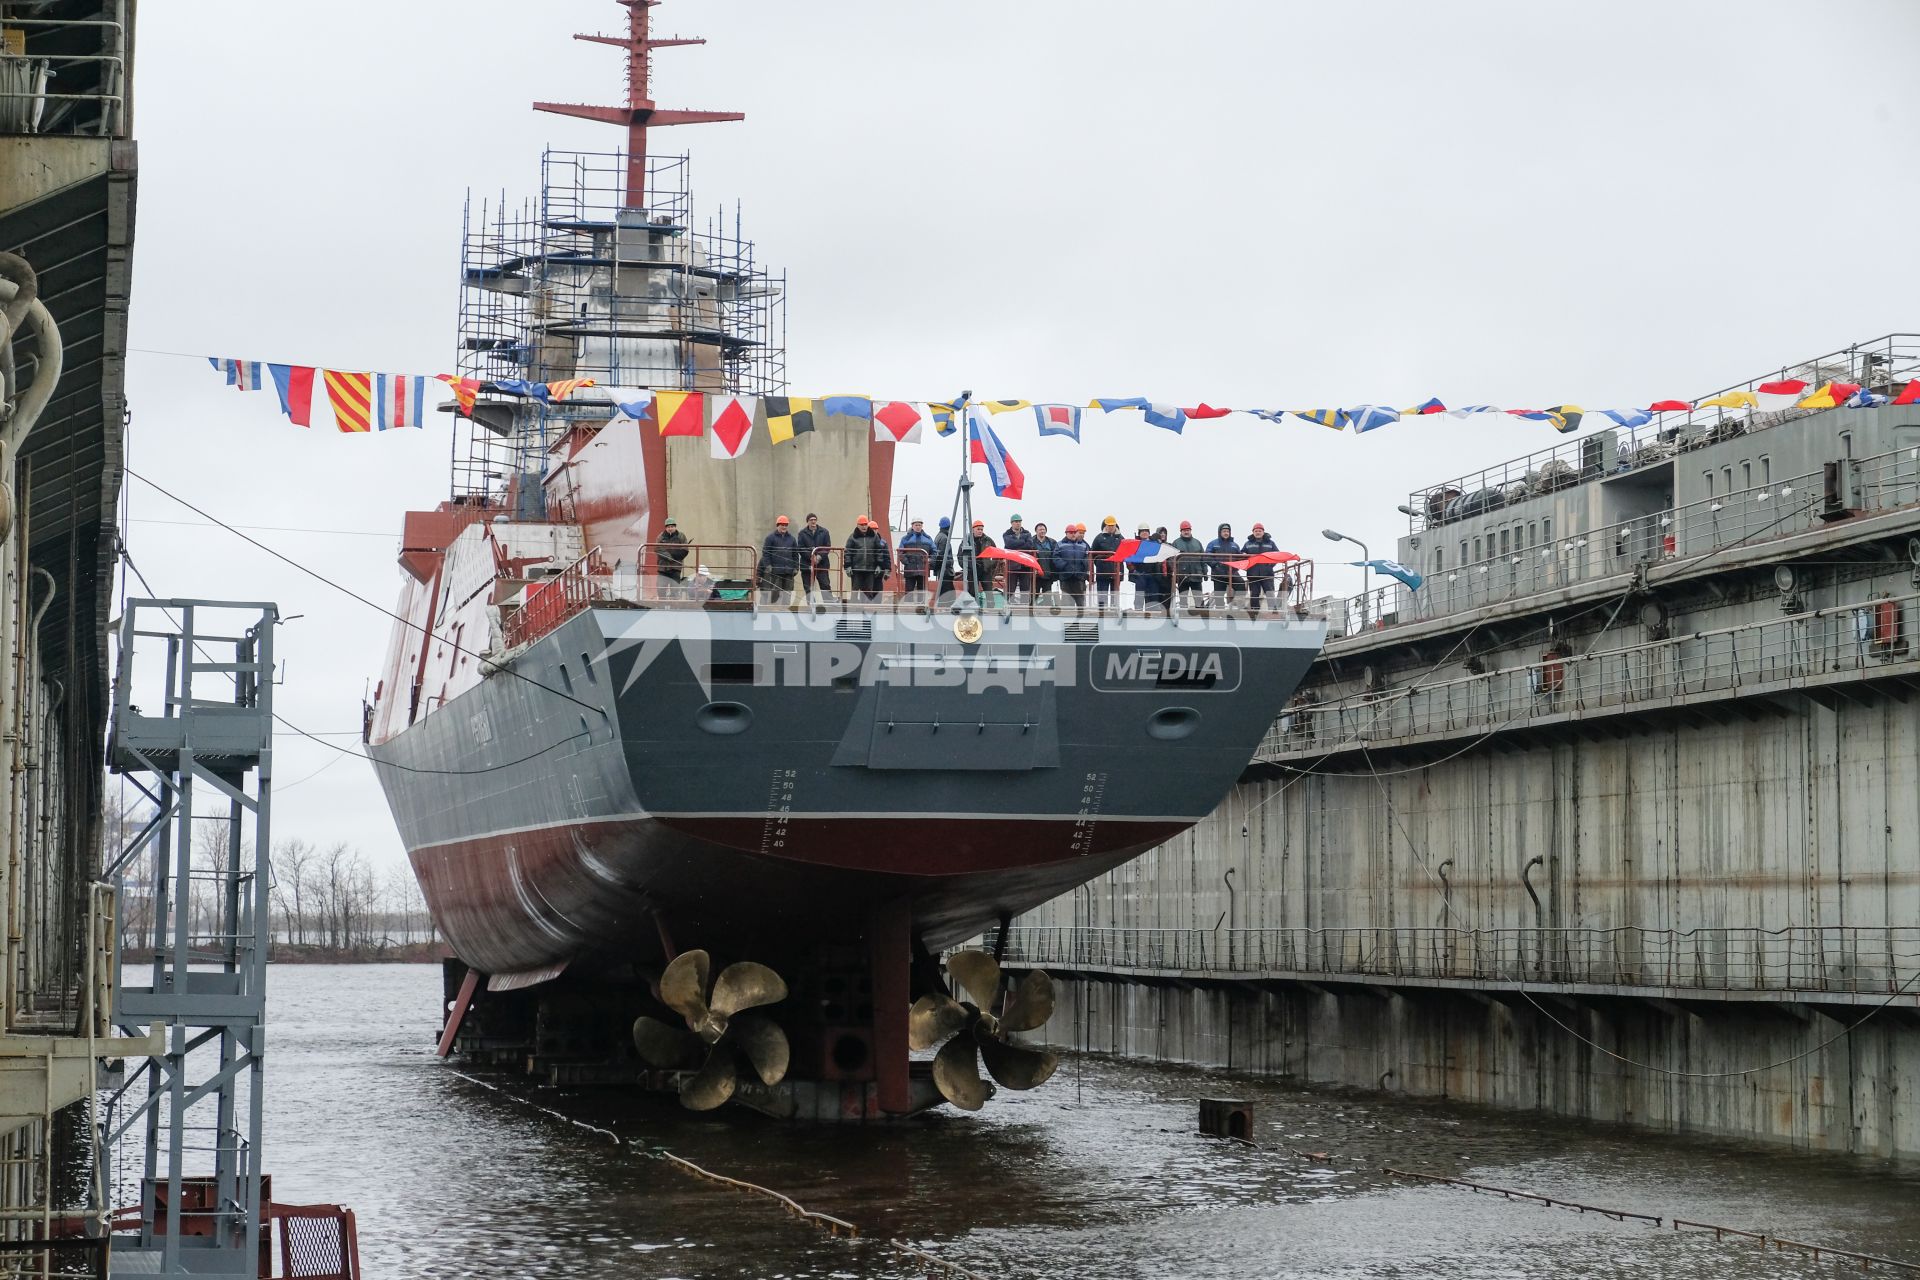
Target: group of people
(1072, 565)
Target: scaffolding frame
(577, 284)
(206, 932)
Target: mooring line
(1819, 1251)
(839, 1228)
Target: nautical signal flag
(681, 413)
(1670, 406)
(1108, 404)
(351, 395)
(899, 421)
(1005, 406)
(1320, 417)
(399, 400)
(1366, 417)
(984, 446)
(942, 417)
(1910, 395)
(294, 382)
(464, 391)
(1205, 410)
(788, 416)
(566, 386)
(245, 375)
(848, 406)
(1058, 420)
(522, 387)
(1172, 417)
(732, 426)
(1430, 405)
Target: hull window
(724, 718)
(1173, 723)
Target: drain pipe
(1539, 913)
(17, 795)
(1446, 892)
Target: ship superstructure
(618, 762)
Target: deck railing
(1864, 638)
(1860, 960)
(65, 76)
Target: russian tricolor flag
(1142, 551)
(984, 446)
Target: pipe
(1446, 892)
(1539, 913)
(24, 649)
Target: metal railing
(32, 100)
(1883, 365)
(1863, 637)
(1842, 959)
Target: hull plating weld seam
(1818, 1251)
(836, 1227)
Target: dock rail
(1834, 959)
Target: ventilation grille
(1083, 633)
(853, 629)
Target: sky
(1270, 203)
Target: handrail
(24, 81)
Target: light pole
(1366, 580)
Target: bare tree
(293, 870)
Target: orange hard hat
(781, 520)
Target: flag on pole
(351, 395)
(899, 421)
(848, 406)
(294, 382)
(681, 413)
(787, 417)
(984, 446)
(464, 390)
(1058, 420)
(399, 400)
(732, 425)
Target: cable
(268, 528)
(351, 593)
(361, 755)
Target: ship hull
(756, 783)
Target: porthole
(724, 717)
(1170, 724)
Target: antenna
(639, 114)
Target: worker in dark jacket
(779, 558)
(1190, 569)
(1020, 579)
(944, 564)
(1071, 566)
(1259, 576)
(973, 568)
(816, 562)
(1219, 552)
(671, 553)
(1146, 578)
(868, 560)
(917, 554)
(1043, 552)
(1106, 573)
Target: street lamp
(1366, 580)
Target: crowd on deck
(798, 566)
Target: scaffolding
(579, 285)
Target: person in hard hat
(779, 559)
(700, 590)
(1190, 568)
(1106, 572)
(1071, 565)
(917, 553)
(1219, 552)
(1259, 576)
(1019, 577)
(868, 560)
(980, 572)
(945, 562)
(816, 560)
(670, 553)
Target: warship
(616, 761)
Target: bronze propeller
(973, 1033)
(718, 1022)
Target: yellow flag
(1730, 400)
(1821, 399)
(1006, 406)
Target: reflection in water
(452, 1179)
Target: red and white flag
(899, 421)
(732, 425)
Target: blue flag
(521, 387)
(1393, 569)
(848, 406)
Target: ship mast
(639, 114)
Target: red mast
(639, 113)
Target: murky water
(1097, 1174)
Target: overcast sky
(1262, 203)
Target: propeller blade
(956, 1073)
(1015, 1065)
(746, 985)
(932, 1019)
(663, 1046)
(1032, 1003)
(714, 1084)
(979, 973)
(764, 1043)
(683, 987)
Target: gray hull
(760, 781)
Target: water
(451, 1178)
